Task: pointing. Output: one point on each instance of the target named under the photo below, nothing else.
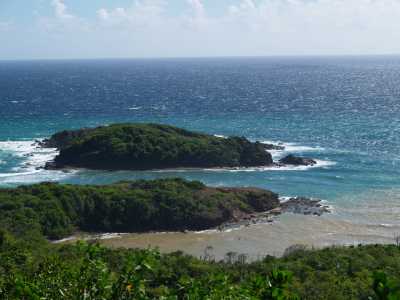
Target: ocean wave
(32, 157)
(6, 175)
(31, 160)
(290, 148)
(12, 179)
(320, 164)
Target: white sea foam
(320, 164)
(6, 175)
(290, 148)
(206, 231)
(101, 236)
(135, 108)
(220, 136)
(106, 236)
(71, 238)
(284, 199)
(276, 155)
(387, 225)
(31, 159)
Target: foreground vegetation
(152, 146)
(57, 210)
(34, 269)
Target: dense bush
(56, 210)
(32, 270)
(153, 146)
(87, 271)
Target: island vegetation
(57, 210)
(152, 146)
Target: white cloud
(198, 8)
(139, 14)
(60, 9)
(62, 21)
(249, 27)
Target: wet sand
(263, 239)
(373, 217)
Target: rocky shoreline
(295, 205)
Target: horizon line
(200, 57)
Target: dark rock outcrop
(297, 161)
(273, 147)
(304, 206)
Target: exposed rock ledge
(296, 205)
(297, 161)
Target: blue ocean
(342, 111)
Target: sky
(50, 29)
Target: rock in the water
(273, 147)
(51, 165)
(304, 206)
(297, 161)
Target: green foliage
(84, 271)
(153, 146)
(385, 288)
(56, 210)
(91, 271)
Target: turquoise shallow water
(344, 112)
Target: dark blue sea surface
(343, 111)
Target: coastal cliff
(152, 146)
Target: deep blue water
(343, 111)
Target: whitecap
(32, 159)
(135, 108)
(6, 175)
(34, 177)
(32, 156)
(290, 148)
(320, 164)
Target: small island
(152, 146)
